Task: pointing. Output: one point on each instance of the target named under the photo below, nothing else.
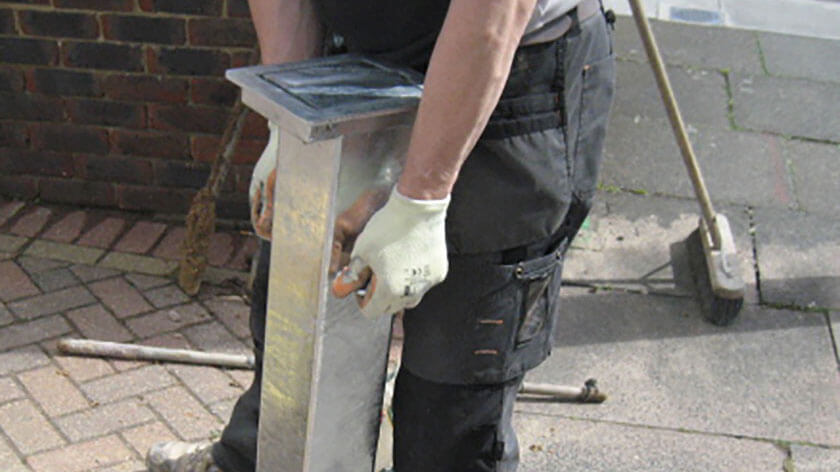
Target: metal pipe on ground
(589, 393)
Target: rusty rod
(589, 393)
(137, 352)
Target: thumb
(353, 277)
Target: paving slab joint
(809, 139)
(812, 308)
(730, 100)
(750, 211)
(762, 59)
(833, 336)
(783, 444)
(614, 189)
(787, 463)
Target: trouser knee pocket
(487, 323)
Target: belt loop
(609, 15)
(574, 29)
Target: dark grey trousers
(470, 342)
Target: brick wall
(121, 103)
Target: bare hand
(350, 223)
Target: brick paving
(68, 229)
(32, 222)
(68, 272)
(141, 237)
(103, 234)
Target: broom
(711, 247)
(201, 218)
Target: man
(500, 172)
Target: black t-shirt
(399, 31)
(517, 185)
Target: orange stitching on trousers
(492, 321)
(486, 352)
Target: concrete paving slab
(63, 252)
(692, 45)
(11, 244)
(53, 302)
(220, 276)
(792, 107)
(128, 466)
(701, 94)
(738, 167)
(21, 334)
(9, 209)
(140, 264)
(632, 241)
(771, 375)
(55, 279)
(5, 315)
(797, 56)
(816, 173)
(11, 462)
(807, 17)
(814, 459)
(88, 274)
(816, 18)
(32, 222)
(549, 444)
(798, 258)
(36, 265)
(145, 282)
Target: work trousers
(471, 340)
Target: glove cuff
(416, 206)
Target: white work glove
(402, 250)
(261, 192)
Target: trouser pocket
(487, 323)
(596, 99)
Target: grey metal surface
(304, 198)
(328, 97)
(344, 126)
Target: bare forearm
(466, 75)
(287, 30)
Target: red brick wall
(121, 103)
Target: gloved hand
(350, 223)
(400, 255)
(261, 192)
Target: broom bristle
(201, 223)
(717, 310)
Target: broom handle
(675, 118)
(230, 137)
(233, 130)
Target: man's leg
(236, 450)
(465, 428)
